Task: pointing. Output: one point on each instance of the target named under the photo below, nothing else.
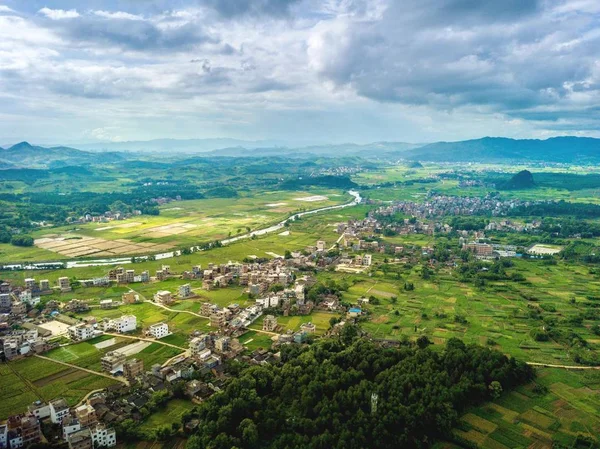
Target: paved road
(70, 365)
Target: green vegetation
(339, 393)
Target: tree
(423, 341)
(495, 389)
(21, 240)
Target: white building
(185, 291)
(321, 245)
(367, 259)
(127, 323)
(159, 330)
(58, 410)
(3, 436)
(81, 332)
(103, 437)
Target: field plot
(558, 407)
(31, 379)
(84, 246)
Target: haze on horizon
(298, 71)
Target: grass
(25, 381)
(167, 415)
(523, 418)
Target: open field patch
(88, 246)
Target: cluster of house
(484, 250)
(105, 217)
(444, 205)
(79, 426)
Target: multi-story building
(30, 284)
(18, 308)
(39, 409)
(222, 344)
(127, 323)
(113, 361)
(130, 297)
(64, 284)
(81, 332)
(86, 415)
(270, 323)
(158, 330)
(81, 440)
(218, 319)
(5, 302)
(163, 297)
(185, 291)
(59, 409)
(103, 436)
(44, 285)
(133, 368)
(129, 275)
(3, 436)
(198, 344)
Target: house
(113, 361)
(103, 436)
(44, 285)
(39, 409)
(198, 344)
(81, 440)
(70, 425)
(163, 297)
(270, 323)
(59, 409)
(107, 304)
(130, 297)
(127, 323)
(3, 436)
(185, 291)
(354, 312)
(64, 284)
(309, 328)
(321, 245)
(23, 431)
(81, 332)
(86, 415)
(133, 368)
(158, 330)
(222, 344)
(218, 319)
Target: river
(161, 256)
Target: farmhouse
(270, 323)
(158, 330)
(82, 331)
(163, 297)
(127, 323)
(113, 361)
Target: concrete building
(113, 361)
(218, 320)
(86, 415)
(185, 291)
(198, 344)
(127, 323)
(158, 330)
(81, 440)
(39, 409)
(222, 344)
(103, 436)
(321, 245)
(59, 409)
(130, 297)
(270, 323)
(3, 436)
(30, 284)
(163, 297)
(81, 332)
(64, 284)
(133, 368)
(44, 285)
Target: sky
(298, 71)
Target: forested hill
(25, 155)
(500, 149)
(354, 395)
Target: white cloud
(118, 15)
(59, 14)
(4, 8)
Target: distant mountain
(25, 155)
(346, 149)
(501, 149)
(177, 145)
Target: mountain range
(488, 149)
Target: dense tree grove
(354, 394)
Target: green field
(25, 381)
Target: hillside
(522, 180)
(25, 155)
(499, 149)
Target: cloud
(503, 57)
(237, 8)
(132, 32)
(59, 14)
(4, 8)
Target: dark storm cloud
(137, 35)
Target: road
(549, 365)
(70, 365)
(151, 340)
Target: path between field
(549, 365)
(70, 365)
(151, 340)
(162, 306)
